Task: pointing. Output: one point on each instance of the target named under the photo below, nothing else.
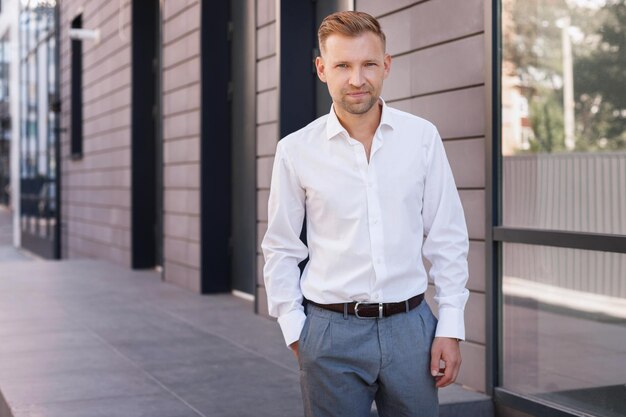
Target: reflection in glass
(5, 121)
(39, 97)
(564, 115)
(565, 326)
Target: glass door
(39, 129)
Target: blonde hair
(350, 23)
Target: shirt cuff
(450, 324)
(291, 325)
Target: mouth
(358, 94)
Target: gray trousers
(346, 363)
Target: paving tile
(42, 363)
(48, 341)
(78, 385)
(163, 405)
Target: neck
(360, 126)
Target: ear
(320, 67)
(386, 65)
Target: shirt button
(379, 260)
(374, 221)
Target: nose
(356, 77)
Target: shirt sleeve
(282, 248)
(446, 243)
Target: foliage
(532, 31)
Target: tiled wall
(96, 189)
(181, 142)
(438, 73)
(267, 123)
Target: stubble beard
(359, 108)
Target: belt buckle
(380, 310)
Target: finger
(435, 356)
(450, 373)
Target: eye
(371, 64)
(342, 65)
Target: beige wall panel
(118, 178)
(476, 264)
(261, 229)
(182, 100)
(267, 74)
(475, 318)
(105, 159)
(264, 171)
(262, 302)
(260, 263)
(456, 113)
(106, 86)
(267, 106)
(104, 215)
(182, 226)
(181, 24)
(377, 7)
(431, 22)
(186, 73)
(171, 8)
(265, 12)
(182, 49)
(448, 66)
(183, 276)
(98, 197)
(182, 201)
(107, 104)
(181, 150)
(181, 125)
(267, 139)
(473, 371)
(474, 207)
(397, 85)
(467, 159)
(266, 41)
(118, 119)
(106, 67)
(183, 251)
(261, 209)
(182, 176)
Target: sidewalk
(7, 251)
(86, 338)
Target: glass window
(39, 125)
(565, 326)
(564, 115)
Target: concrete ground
(7, 251)
(85, 338)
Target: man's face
(354, 69)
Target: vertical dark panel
(215, 169)
(77, 92)
(143, 134)
(57, 132)
(297, 79)
(243, 134)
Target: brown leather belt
(364, 310)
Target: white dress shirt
(368, 224)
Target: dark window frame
(497, 235)
(76, 116)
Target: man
(378, 194)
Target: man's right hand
(294, 348)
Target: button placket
(375, 226)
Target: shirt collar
(334, 127)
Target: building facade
(143, 133)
